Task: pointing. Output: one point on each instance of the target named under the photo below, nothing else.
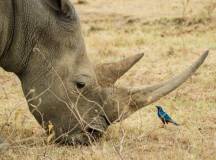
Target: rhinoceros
(41, 42)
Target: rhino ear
(61, 6)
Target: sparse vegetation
(170, 41)
(209, 9)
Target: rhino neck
(22, 38)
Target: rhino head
(42, 44)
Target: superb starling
(165, 118)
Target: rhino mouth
(84, 138)
(89, 135)
(97, 128)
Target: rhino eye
(80, 85)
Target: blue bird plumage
(165, 118)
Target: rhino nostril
(80, 85)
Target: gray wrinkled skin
(48, 54)
(41, 42)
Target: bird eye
(80, 85)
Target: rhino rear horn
(109, 73)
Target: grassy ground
(172, 34)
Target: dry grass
(171, 33)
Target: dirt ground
(172, 34)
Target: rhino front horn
(109, 73)
(133, 99)
(147, 95)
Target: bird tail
(172, 121)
